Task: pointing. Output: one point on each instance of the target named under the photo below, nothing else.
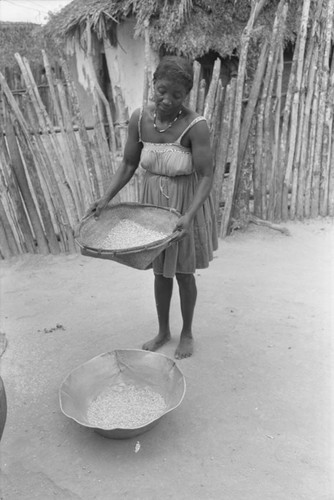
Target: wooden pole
(115, 155)
(296, 162)
(123, 116)
(58, 161)
(10, 195)
(193, 97)
(252, 100)
(69, 143)
(78, 171)
(270, 147)
(301, 159)
(8, 206)
(83, 135)
(274, 211)
(45, 167)
(302, 33)
(5, 250)
(326, 157)
(73, 167)
(330, 149)
(112, 136)
(223, 143)
(309, 73)
(257, 6)
(220, 149)
(61, 156)
(10, 245)
(122, 113)
(201, 97)
(308, 84)
(311, 145)
(259, 182)
(147, 65)
(325, 42)
(17, 165)
(216, 116)
(307, 87)
(268, 126)
(38, 191)
(210, 98)
(103, 165)
(331, 179)
(54, 99)
(325, 112)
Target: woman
(172, 144)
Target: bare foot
(157, 342)
(185, 348)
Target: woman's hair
(177, 69)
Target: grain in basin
(129, 234)
(125, 406)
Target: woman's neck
(164, 121)
(166, 115)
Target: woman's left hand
(182, 227)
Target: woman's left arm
(199, 136)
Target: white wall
(126, 64)
(82, 67)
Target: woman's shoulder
(192, 117)
(197, 128)
(136, 114)
(192, 114)
(143, 113)
(195, 121)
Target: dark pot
(3, 407)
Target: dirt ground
(257, 419)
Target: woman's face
(169, 95)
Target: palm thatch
(188, 27)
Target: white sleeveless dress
(171, 181)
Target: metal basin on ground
(135, 367)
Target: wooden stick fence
(49, 178)
(293, 158)
(273, 150)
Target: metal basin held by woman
(122, 393)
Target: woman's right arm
(128, 166)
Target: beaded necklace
(168, 126)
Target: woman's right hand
(97, 207)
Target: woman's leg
(163, 288)
(188, 296)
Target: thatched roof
(24, 38)
(188, 27)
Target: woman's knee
(185, 279)
(162, 279)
